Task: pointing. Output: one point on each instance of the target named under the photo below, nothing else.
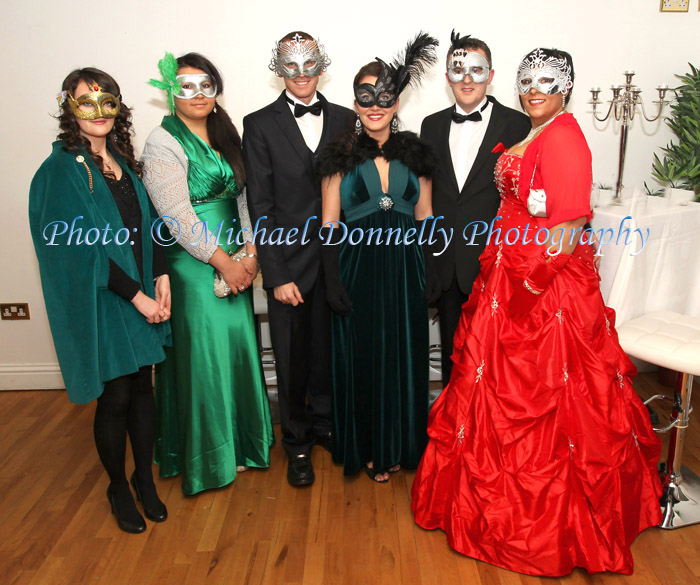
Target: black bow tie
(475, 116)
(301, 110)
(458, 118)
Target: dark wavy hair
(223, 135)
(119, 138)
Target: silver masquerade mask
(545, 73)
(192, 85)
(299, 56)
(463, 62)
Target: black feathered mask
(406, 68)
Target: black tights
(126, 405)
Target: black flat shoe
(300, 470)
(153, 508)
(128, 517)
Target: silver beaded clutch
(221, 289)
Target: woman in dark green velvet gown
(376, 181)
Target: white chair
(671, 340)
(267, 357)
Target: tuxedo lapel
(326, 132)
(289, 127)
(497, 125)
(444, 125)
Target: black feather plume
(411, 64)
(455, 38)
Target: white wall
(43, 41)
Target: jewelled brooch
(386, 203)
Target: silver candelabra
(623, 104)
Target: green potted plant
(680, 167)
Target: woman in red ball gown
(541, 456)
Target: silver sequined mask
(463, 63)
(546, 74)
(299, 56)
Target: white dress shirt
(466, 139)
(310, 126)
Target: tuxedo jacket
(283, 188)
(479, 199)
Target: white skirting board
(31, 377)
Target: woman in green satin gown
(213, 411)
(375, 181)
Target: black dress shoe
(154, 509)
(124, 508)
(300, 471)
(325, 441)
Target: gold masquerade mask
(94, 105)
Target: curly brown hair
(119, 137)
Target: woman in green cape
(214, 417)
(105, 282)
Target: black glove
(336, 295)
(433, 287)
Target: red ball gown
(541, 456)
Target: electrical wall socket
(14, 311)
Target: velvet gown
(541, 456)
(380, 350)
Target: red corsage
(499, 148)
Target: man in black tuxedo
(466, 139)
(280, 146)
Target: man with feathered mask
(467, 138)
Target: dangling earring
(394, 124)
(215, 104)
(358, 125)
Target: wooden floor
(55, 526)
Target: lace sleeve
(244, 215)
(165, 178)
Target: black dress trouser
(301, 342)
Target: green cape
(98, 335)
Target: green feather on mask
(168, 70)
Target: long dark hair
(223, 135)
(119, 138)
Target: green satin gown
(213, 411)
(380, 350)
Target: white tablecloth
(666, 273)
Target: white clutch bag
(537, 203)
(537, 199)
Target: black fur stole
(350, 150)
